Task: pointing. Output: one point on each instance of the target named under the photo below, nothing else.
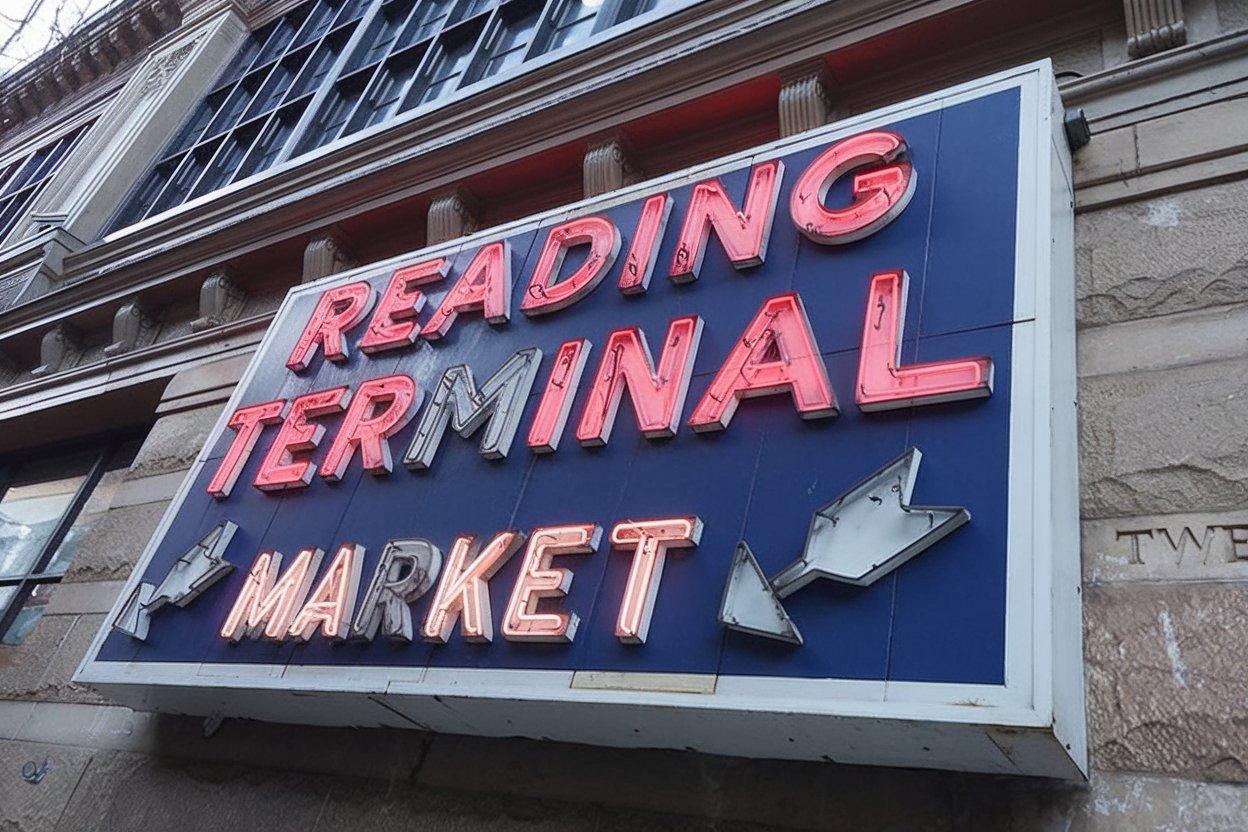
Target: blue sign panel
(813, 396)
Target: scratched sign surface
(757, 474)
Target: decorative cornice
(106, 42)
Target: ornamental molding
(162, 67)
(108, 43)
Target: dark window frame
(344, 102)
(110, 453)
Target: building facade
(172, 170)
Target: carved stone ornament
(327, 253)
(1154, 26)
(106, 41)
(162, 67)
(805, 99)
(453, 215)
(133, 328)
(609, 166)
(220, 301)
(60, 349)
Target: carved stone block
(1154, 26)
(133, 328)
(60, 349)
(805, 99)
(609, 166)
(453, 215)
(327, 253)
(220, 301)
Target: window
(22, 178)
(330, 68)
(48, 507)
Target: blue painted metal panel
(940, 617)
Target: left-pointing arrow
(199, 568)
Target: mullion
(439, 50)
(192, 157)
(545, 30)
(312, 111)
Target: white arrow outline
(844, 544)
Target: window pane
(275, 86)
(380, 36)
(444, 72)
(509, 42)
(98, 503)
(13, 208)
(476, 7)
(32, 508)
(272, 140)
(574, 23)
(316, 69)
(32, 609)
(387, 87)
(277, 42)
(185, 178)
(236, 104)
(426, 22)
(351, 11)
(316, 25)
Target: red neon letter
(603, 239)
(552, 412)
(379, 409)
(649, 540)
(880, 194)
(248, 422)
(644, 251)
(743, 234)
(883, 384)
(394, 323)
(333, 599)
(266, 603)
(538, 580)
(776, 353)
(280, 469)
(338, 310)
(484, 286)
(658, 398)
(462, 590)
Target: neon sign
(785, 431)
